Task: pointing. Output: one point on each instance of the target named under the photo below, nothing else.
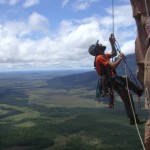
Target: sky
(56, 34)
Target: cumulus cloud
(13, 2)
(26, 4)
(65, 2)
(17, 42)
(79, 4)
(122, 18)
(35, 22)
(83, 4)
(29, 3)
(128, 47)
(124, 25)
(2, 1)
(10, 2)
(38, 22)
(22, 46)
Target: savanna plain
(47, 110)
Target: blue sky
(56, 34)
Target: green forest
(35, 116)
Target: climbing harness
(105, 98)
(104, 93)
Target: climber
(105, 67)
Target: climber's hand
(121, 56)
(112, 39)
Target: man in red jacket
(106, 70)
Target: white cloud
(121, 19)
(13, 2)
(65, 2)
(2, 1)
(66, 48)
(29, 3)
(79, 4)
(83, 4)
(125, 1)
(38, 22)
(10, 2)
(128, 47)
(26, 4)
(16, 40)
(35, 22)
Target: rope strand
(133, 110)
(113, 18)
(147, 12)
(129, 69)
(126, 65)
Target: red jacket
(102, 60)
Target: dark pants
(120, 86)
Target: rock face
(141, 13)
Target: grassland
(34, 116)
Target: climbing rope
(132, 77)
(113, 18)
(126, 74)
(147, 12)
(146, 90)
(147, 97)
(133, 109)
(131, 74)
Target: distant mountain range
(87, 79)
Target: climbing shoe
(139, 92)
(132, 121)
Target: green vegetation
(38, 117)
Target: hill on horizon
(88, 79)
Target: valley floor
(34, 116)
